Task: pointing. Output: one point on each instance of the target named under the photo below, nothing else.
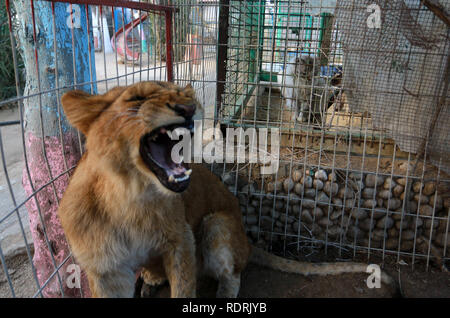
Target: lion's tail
(263, 258)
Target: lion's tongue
(160, 152)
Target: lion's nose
(185, 110)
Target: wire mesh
(344, 169)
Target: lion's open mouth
(156, 152)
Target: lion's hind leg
(224, 250)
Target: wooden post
(50, 45)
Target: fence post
(50, 45)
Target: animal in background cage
(306, 92)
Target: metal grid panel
(72, 52)
(342, 181)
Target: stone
(392, 204)
(308, 203)
(405, 167)
(349, 204)
(447, 203)
(378, 213)
(288, 185)
(369, 204)
(393, 232)
(307, 182)
(286, 218)
(428, 222)
(298, 188)
(426, 210)
(334, 231)
(346, 193)
(389, 184)
(429, 188)
(325, 222)
(385, 194)
(310, 193)
(318, 184)
(248, 188)
(421, 198)
(296, 209)
(321, 175)
(412, 207)
(392, 244)
(372, 179)
(272, 186)
(408, 235)
(406, 246)
(398, 190)
(436, 201)
(317, 213)
(332, 177)
(379, 235)
(411, 195)
(306, 217)
(368, 193)
(401, 224)
(294, 199)
(251, 210)
(266, 210)
(337, 202)
(385, 223)
(297, 175)
(331, 188)
(255, 203)
(322, 199)
(279, 205)
(251, 219)
(417, 186)
(357, 186)
(415, 222)
(442, 241)
(242, 199)
(266, 223)
(366, 224)
(336, 215)
(359, 214)
(401, 181)
(228, 178)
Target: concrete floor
(11, 238)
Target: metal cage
(356, 179)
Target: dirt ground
(259, 282)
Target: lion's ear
(82, 109)
(188, 86)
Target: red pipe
(169, 49)
(125, 4)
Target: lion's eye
(136, 98)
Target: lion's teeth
(188, 172)
(172, 178)
(169, 133)
(181, 179)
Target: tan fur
(118, 218)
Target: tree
(51, 61)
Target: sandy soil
(262, 282)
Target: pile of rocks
(361, 208)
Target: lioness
(129, 206)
